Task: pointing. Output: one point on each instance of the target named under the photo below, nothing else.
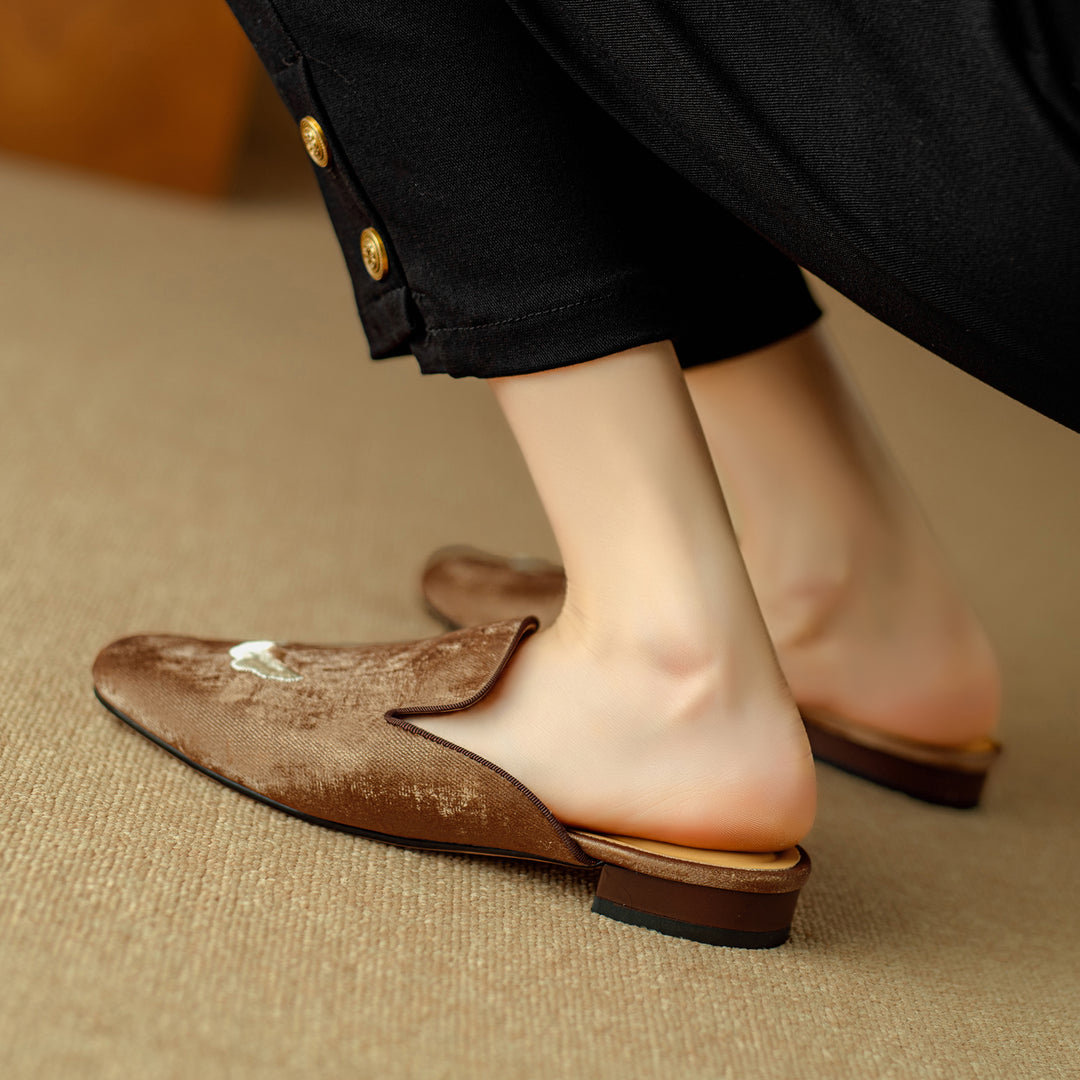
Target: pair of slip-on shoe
(463, 586)
(323, 733)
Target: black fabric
(921, 157)
(525, 229)
(560, 184)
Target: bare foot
(866, 619)
(624, 742)
(654, 705)
(887, 641)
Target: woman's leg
(525, 235)
(654, 705)
(865, 617)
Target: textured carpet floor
(192, 439)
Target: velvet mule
(323, 733)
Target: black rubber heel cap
(708, 935)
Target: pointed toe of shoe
(319, 732)
(132, 675)
(179, 692)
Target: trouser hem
(638, 313)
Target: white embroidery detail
(255, 657)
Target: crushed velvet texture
(327, 745)
(463, 586)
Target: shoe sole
(940, 775)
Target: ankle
(807, 575)
(675, 643)
(676, 673)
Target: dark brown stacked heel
(714, 916)
(744, 900)
(943, 775)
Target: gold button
(315, 141)
(373, 251)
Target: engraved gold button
(373, 252)
(315, 141)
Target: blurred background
(192, 440)
(157, 93)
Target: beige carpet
(192, 439)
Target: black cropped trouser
(519, 185)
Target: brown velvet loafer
(463, 586)
(323, 733)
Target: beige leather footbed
(734, 860)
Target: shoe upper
(324, 731)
